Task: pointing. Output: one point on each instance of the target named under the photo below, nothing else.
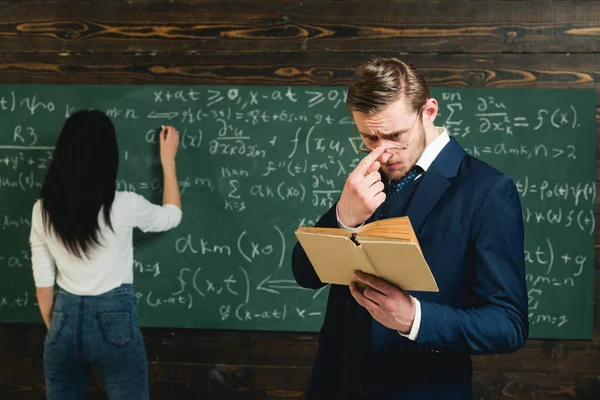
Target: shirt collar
(433, 149)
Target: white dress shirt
(108, 265)
(425, 160)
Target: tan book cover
(387, 248)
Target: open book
(387, 248)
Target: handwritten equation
(255, 163)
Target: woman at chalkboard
(81, 239)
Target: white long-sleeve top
(108, 265)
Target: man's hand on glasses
(363, 191)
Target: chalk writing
(256, 163)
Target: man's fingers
(372, 178)
(375, 282)
(374, 167)
(374, 295)
(378, 200)
(361, 299)
(364, 165)
(377, 188)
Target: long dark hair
(81, 181)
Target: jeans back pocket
(116, 327)
(56, 327)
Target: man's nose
(384, 157)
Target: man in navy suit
(387, 343)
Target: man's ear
(430, 110)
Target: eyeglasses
(359, 144)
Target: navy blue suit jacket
(468, 219)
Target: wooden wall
(544, 44)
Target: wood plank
(231, 377)
(545, 356)
(187, 345)
(498, 385)
(324, 2)
(231, 347)
(22, 340)
(175, 380)
(552, 356)
(457, 70)
(35, 391)
(474, 27)
(22, 390)
(185, 379)
(205, 1)
(249, 348)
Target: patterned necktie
(396, 186)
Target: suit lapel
(434, 183)
(431, 188)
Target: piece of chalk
(162, 126)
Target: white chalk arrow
(282, 284)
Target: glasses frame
(365, 149)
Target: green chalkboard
(257, 162)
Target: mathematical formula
(255, 164)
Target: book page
(400, 263)
(324, 231)
(396, 228)
(334, 258)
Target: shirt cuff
(344, 226)
(414, 331)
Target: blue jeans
(100, 331)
